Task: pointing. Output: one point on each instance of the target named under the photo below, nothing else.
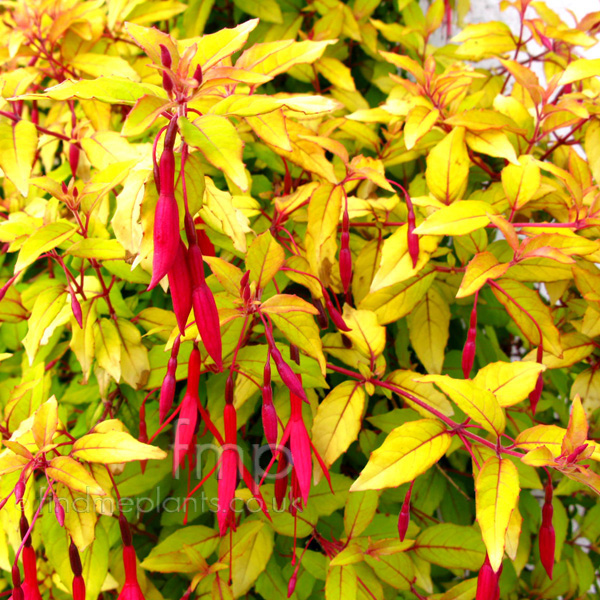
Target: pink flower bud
(322, 319)
(229, 390)
(229, 469)
(287, 375)
(19, 490)
(76, 308)
(165, 56)
(294, 353)
(269, 416)
(78, 588)
(64, 188)
(281, 480)
(207, 321)
(487, 582)
(166, 235)
(536, 394)
(186, 428)
(345, 266)
(198, 75)
(167, 395)
(335, 315)
(125, 530)
(167, 82)
(292, 583)
(404, 516)
(74, 153)
(468, 357)
(180, 286)
(547, 545)
(59, 512)
(244, 280)
(75, 560)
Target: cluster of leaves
(419, 227)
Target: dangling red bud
(281, 480)
(229, 469)
(468, 355)
(180, 285)
(76, 308)
(59, 512)
(335, 315)
(547, 535)
(19, 490)
(131, 589)
(322, 319)
(404, 516)
(269, 416)
(78, 588)
(74, 153)
(292, 583)
(345, 267)
(536, 394)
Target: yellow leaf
(283, 303)
(483, 40)
(577, 429)
(513, 533)
(576, 347)
(538, 457)
(407, 451)
(419, 121)
(549, 436)
(395, 265)
(459, 218)
(45, 422)
(359, 511)
(107, 345)
(135, 366)
(481, 405)
(451, 546)
(98, 65)
(214, 47)
(429, 325)
(482, 266)
(265, 258)
(9, 462)
(42, 240)
(219, 212)
(366, 334)
(337, 73)
(142, 116)
(492, 143)
(448, 167)
(272, 129)
(521, 181)
(273, 58)
(80, 516)
(338, 420)
(73, 474)
(301, 330)
(97, 248)
(425, 392)
(579, 69)
(396, 301)
(510, 382)
(592, 147)
(219, 142)
(496, 494)
(324, 211)
(18, 145)
(114, 447)
(341, 583)
(518, 298)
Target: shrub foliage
(298, 299)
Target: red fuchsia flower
(180, 285)
(167, 389)
(166, 215)
(230, 467)
(487, 582)
(74, 153)
(404, 516)
(131, 590)
(205, 307)
(281, 480)
(188, 415)
(29, 586)
(468, 355)
(547, 535)
(335, 315)
(78, 583)
(269, 415)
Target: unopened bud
(294, 353)
(229, 390)
(165, 56)
(75, 560)
(198, 75)
(74, 153)
(76, 308)
(59, 512)
(125, 531)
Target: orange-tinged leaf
(9, 462)
(407, 451)
(577, 429)
(480, 404)
(482, 266)
(510, 382)
(114, 447)
(74, 475)
(459, 218)
(283, 303)
(272, 129)
(219, 142)
(419, 121)
(448, 167)
(496, 494)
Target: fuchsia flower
(404, 516)
(78, 583)
(230, 467)
(269, 415)
(188, 415)
(547, 535)
(29, 586)
(131, 590)
(487, 582)
(166, 215)
(167, 389)
(205, 307)
(180, 286)
(468, 355)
